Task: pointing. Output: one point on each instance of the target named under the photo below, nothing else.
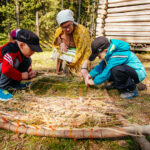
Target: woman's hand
(63, 47)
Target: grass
(137, 110)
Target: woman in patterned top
(73, 43)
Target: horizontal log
(145, 40)
(145, 18)
(117, 1)
(128, 28)
(127, 3)
(127, 24)
(134, 13)
(134, 34)
(130, 8)
(141, 49)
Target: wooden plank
(130, 8)
(127, 3)
(145, 40)
(127, 24)
(145, 18)
(132, 34)
(128, 28)
(134, 13)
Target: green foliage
(3, 38)
(47, 10)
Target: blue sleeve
(100, 78)
(97, 70)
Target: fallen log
(128, 9)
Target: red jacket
(8, 55)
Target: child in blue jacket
(118, 64)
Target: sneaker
(129, 94)
(5, 95)
(110, 87)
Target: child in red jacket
(15, 61)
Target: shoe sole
(136, 94)
(5, 100)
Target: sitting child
(118, 64)
(15, 61)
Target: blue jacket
(118, 53)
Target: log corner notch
(127, 20)
(102, 14)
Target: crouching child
(15, 62)
(118, 64)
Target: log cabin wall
(127, 20)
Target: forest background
(39, 16)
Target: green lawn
(48, 84)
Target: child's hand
(32, 74)
(63, 47)
(25, 75)
(88, 77)
(89, 82)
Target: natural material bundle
(62, 112)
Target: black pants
(6, 82)
(124, 77)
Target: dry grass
(51, 97)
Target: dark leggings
(124, 77)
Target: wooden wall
(127, 20)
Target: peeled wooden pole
(81, 133)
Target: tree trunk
(17, 13)
(79, 11)
(8, 22)
(37, 23)
(62, 4)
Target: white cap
(64, 16)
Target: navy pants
(6, 82)
(124, 77)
